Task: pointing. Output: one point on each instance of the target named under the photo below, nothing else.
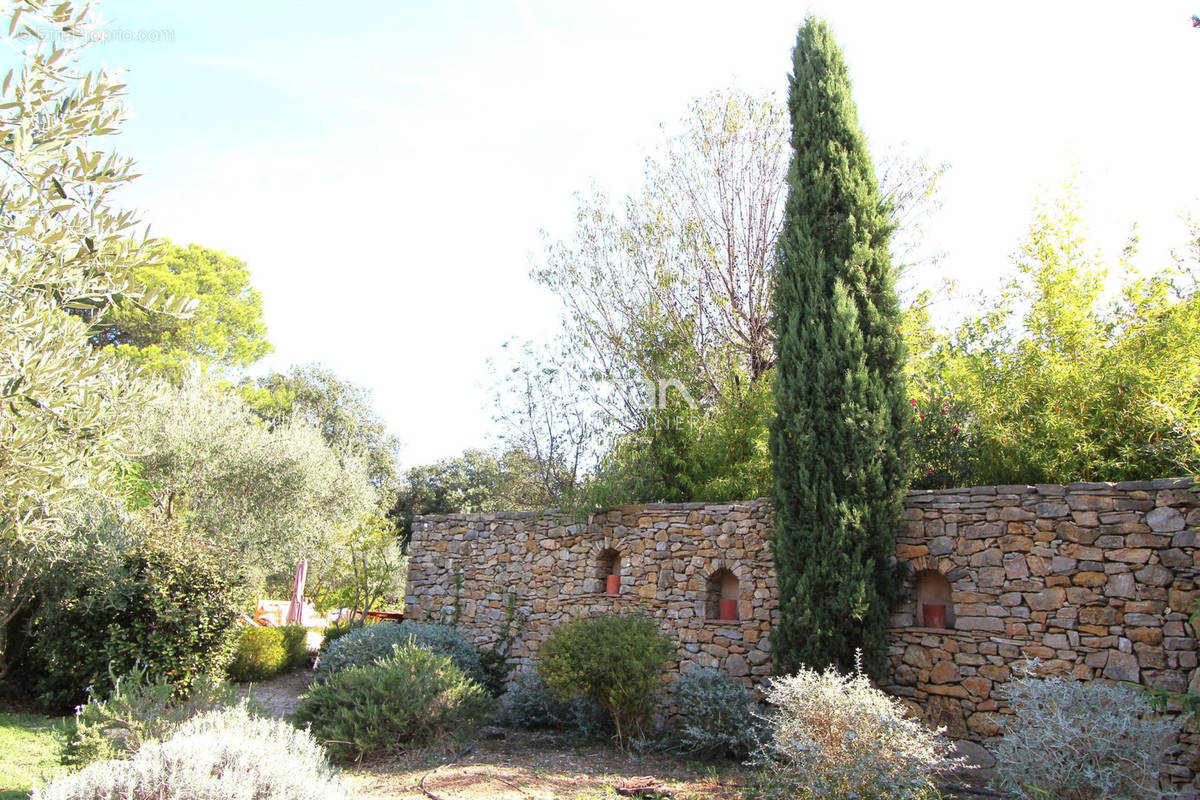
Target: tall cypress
(837, 443)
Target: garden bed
(527, 765)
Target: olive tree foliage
(269, 494)
(359, 568)
(63, 249)
(314, 395)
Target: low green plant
(616, 660)
(528, 703)
(166, 603)
(227, 753)
(334, 632)
(363, 646)
(261, 653)
(258, 654)
(138, 708)
(295, 647)
(837, 737)
(410, 698)
(715, 715)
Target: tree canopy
(1067, 374)
(342, 411)
(225, 330)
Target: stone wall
(1096, 579)
(665, 553)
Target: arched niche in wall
(722, 595)
(934, 608)
(608, 571)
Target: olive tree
(269, 494)
(65, 256)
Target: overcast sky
(385, 171)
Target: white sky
(386, 172)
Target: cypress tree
(837, 442)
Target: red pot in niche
(935, 614)
(613, 585)
(729, 608)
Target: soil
(504, 764)
(525, 765)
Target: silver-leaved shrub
(715, 715)
(228, 753)
(837, 737)
(136, 709)
(1079, 740)
(364, 646)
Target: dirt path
(280, 696)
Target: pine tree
(837, 441)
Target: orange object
(935, 614)
(614, 584)
(729, 608)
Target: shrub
(221, 754)
(295, 646)
(137, 709)
(528, 703)
(715, 715)
(412, 697)
(835, 736)
(167, 602)
(258, 655)
(616, 660)
(332, 633)
(1078, 741)
(363, 646)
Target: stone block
(1122, 667)
(1155, 575)
(1130, 555)
(1165, 519)
(944, 672)
(986, 723)
(1046, 600)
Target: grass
(30, 753)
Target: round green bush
(258, 655)
(616, 660)
(412, 697)
(166, 603)
(366, 645)
(295, 646)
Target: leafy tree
(476, 482)
(1058, 381)
(226, 329)
(269, 495)
(63, 248)
(360, 568)
(674, 288)
(342, 411)
(836, 442)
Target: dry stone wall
(555, 571)
(1095, 579)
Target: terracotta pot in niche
(935, 614)
(613, 584)
(729, 608)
